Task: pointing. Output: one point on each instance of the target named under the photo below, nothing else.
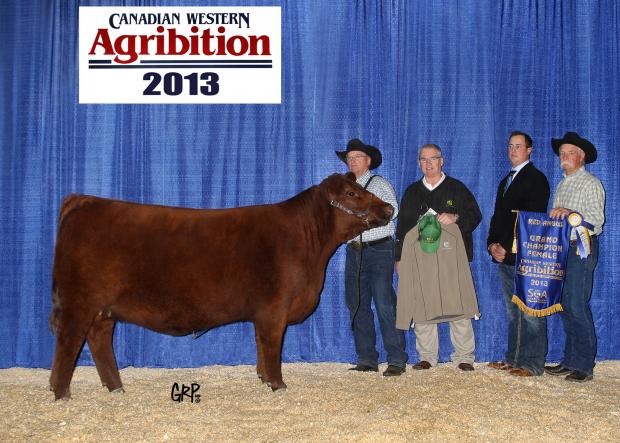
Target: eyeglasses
(428, 160)
(355, 157)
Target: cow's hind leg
(270, 332)
(70, 336)
(100, 344)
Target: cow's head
(356, 209)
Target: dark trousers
(527, 335)
(580, 346)
(375, 285)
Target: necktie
(509, 180)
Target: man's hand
(447, 219)
(397, 267)
(559, 213)
(497, 252)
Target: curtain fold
(395, 73)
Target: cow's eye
(350, 193)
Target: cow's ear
(350, 176)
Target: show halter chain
(359, 262)
(363, 214)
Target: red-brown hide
(178, 270)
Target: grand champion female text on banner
(541, 246)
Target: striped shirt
(384, 190)
(584, 193)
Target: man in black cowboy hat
(369, 271)
(580, 198)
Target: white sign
(180, 54)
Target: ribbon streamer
(582, 229)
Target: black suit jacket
(529, 191)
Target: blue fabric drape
(397, 74)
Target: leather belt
(574, 242)
(365, 244)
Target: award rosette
(582, 228)
(542, 249)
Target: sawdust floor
(323, 402)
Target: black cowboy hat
(357, 145)
(574, 139)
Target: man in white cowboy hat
(580, 197)
(369, 271)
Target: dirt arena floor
(323, 402)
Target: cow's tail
(56, 308)
(69, 204)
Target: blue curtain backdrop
(397, 74)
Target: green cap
(430, 232)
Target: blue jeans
(580, 345)
(527, 335)
(375, 283)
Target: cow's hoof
(278, 387)
(65, 397)
(117, 391)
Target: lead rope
(359, 271)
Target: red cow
(178, 270)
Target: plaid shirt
(384, 190)
(584, 193)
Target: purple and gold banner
(542, 248)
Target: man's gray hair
(430, 145)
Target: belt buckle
(356, 245)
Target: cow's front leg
(270, 332)
(260, 359)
